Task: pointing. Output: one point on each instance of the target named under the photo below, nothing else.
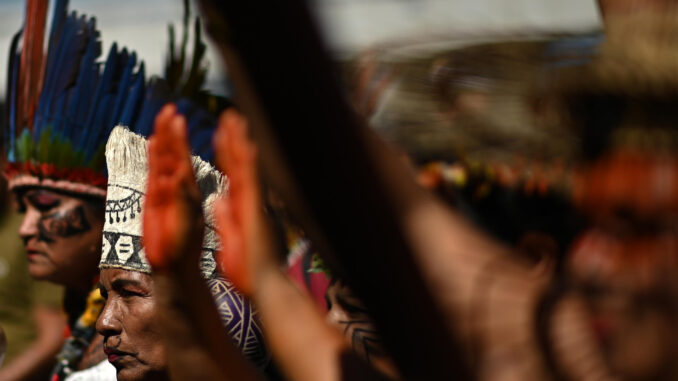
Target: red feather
(32, 56)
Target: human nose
(29, 225)
(108, 323)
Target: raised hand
(173, 223)
(247, 250)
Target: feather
(197, 72)
(58, 20)
(133, 99)
(12, 83)
(105, 114)
(104, 87)
(85, 85)
(157, 95)
(123, 90)
(201, 126)
(31, 60)
(63, 71)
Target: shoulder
(103, 371)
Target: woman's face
(132, 340)
(62, 236)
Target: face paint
(63, 224)
(364, 338)
(62, 236)
(348, 314)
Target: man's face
(132, 340)
(626, 263)
(62, 236)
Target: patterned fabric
(240, 319)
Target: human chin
(41, 267)
(131, 368)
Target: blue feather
(65, 66)
(201, 127)
(56, 32)
(123, 89)
(157, 95)
(94, 124)
(135, 95)
(58, 19)
(98, 130)
(85, 84)
(12, 82)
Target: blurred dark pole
(315, 148)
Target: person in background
(62, 105)
(30, 311)
(137, 305)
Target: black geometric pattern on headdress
(240, 320)
(124, 250)
(128, 207)
(110, 239)
(135, 259)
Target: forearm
(29, 365)
(36, 361)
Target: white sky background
(351, 25)
(140, 25)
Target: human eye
(103, 292)
(352, 307)
(43, 201)
(131, 293)
(20, 206)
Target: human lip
(32, 251)
(114, 354)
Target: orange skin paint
(173, 223)
(247, 248)
(172, 214)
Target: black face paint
(63, 224)
(358, 327)
(364, 339)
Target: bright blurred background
(350, 25)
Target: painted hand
(247, 250)
(173, 223)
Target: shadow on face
(132, 340)
(62, 236)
